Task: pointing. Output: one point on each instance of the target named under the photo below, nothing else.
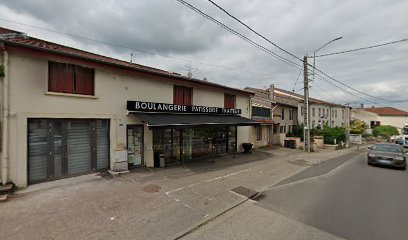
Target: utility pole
(306, 133)
(347, 125)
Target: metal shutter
(79, 147)
(102, 144)
(37, 150)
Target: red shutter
(229, 101)
(84, 80)
(60, 77)
(182, 95)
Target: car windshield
(387, 148)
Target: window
(69, 78)
(335, 113)
(258, 129)
(182, 95)
(290, 114)
(283, 114)
(301, 110)
(313, 124)
(229, 101)
(313, 112)
(320, 112)
(342, 114)
(261, 112)
(291, 128)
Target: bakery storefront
(183, 133)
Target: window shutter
(84, 80)
(65, 78)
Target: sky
(168, 35)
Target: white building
(376, 116)
(67, 112)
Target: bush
(297, 131)
(329, 134)
(385, 131)
(357, 127)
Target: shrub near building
(385, 131)
(329, 134)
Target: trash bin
(289, 143)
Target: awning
(166, 120)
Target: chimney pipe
(271, 92)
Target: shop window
(258, 129)
(69, 78)
(229, 101)
(182, 95)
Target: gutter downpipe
(5, 113)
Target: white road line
(207, 181)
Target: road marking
(207, 181)
(323, 175)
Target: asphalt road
(356, 201)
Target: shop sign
(139, 106)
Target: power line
(263, 37)
(362, 48)
(239, 34)
(297, 79)
(133, 49)
(252, 30)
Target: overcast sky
(162, 28)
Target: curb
(195, 227)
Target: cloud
(169, 28)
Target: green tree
(385, 131)
(357, 127)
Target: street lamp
(314, 53)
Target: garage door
(60, 148)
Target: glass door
(135, 144)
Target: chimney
(361, 105)
(271, 92)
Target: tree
(357, 127)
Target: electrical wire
(362, 48)
(252, 30)
(134, 49)
(238, 34)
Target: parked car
(387, 154)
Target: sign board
(356, 138)
(139, 106)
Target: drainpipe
(5, 113)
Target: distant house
(287, 110)
(376, 116)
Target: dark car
(387, 154)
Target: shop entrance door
(135, 145)
(60, 148)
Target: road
(353, 201)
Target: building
(288, 113)
(376, 116)
(322, 113)
(68, 112)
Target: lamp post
(314, 53)
(306, 134)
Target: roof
(386, 111)
(290, 95)
(19, 39)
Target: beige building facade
(54, 134)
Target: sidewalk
(149, 203)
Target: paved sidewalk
(128, 206)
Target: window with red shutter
(68, 78)
(182, 95)
(229, 101)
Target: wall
(396, 121)
(29, 99)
